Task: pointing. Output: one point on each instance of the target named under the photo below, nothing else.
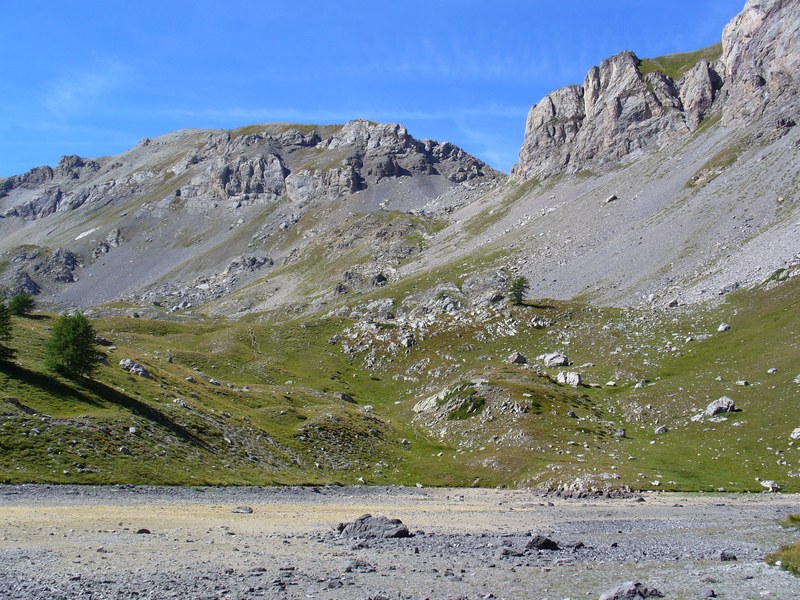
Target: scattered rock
(243, 510)
(724, 327)
(795, 435)
(619, 432)
(707, 592)
(727, 555)
(359, 566)
(142, 531)
(660, 430)
(723, 404)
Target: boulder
(630, 590)
(770, 486)
(515, 358)
(569, 378)
(662, 429)
(726, 556)
(134, 368)
(367, 526)
(724, 327)
(795, 435)
(721, 405)
(554, 359)
(540, 542)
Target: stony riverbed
(64, 542)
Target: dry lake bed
(157, 542)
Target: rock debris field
(64, 542)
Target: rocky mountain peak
(761, 53)
(617, 111)
(625, 106)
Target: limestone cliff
(623, 108)
(761, 53)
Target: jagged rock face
(252, 169)
(698, 90)
(761, 52)
(617, 111)
(372, 152)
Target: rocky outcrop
(372, 152)
(699, 88)
(617, 112)
(760, 53)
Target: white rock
(723, 404)
(770, 485)
(569, 378)
(554, 359)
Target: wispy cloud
(82, 90)
(386, 113)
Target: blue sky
(93, 78)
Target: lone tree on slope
(6, 353)
(71, 348)
(518, 287)
(21, 304)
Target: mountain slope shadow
(46, 383)
(141, 408)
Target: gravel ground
(63, 542)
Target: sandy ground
(67, 542)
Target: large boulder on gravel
(632, 590)
(541, 542)
(367, 526)
(721, 405)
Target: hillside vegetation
(333, 400)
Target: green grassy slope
(678, 64)
(286, 405)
